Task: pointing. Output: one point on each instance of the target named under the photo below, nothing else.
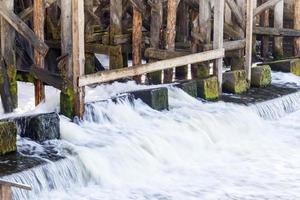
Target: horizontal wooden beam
(111, 75)
(23, 29)
(47, 77)
(276, 32)
(17, 185)
(161, 54)
(231, 45)
(265, 6)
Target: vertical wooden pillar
(72, 34)
(255, 20)
(182, 34)
(89, 31)
(5, 192)
(278, 24)
(297, 27)
(195, 42)
(249, 34)
(137, 40)
(115, 28)
(170, 35)
(265, 22)
(8, 64)
(218, 38)
(38, 24)
(155, 36)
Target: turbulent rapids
(195, 150)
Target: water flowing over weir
(196, 150)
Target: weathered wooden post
(38, 24)
(170, 34)
(182, 34)
(8, 63)
(218, 38)
(115, 28)
(265, 22)
(297, 27)
(137, 40)
(72, 45)
(155, 36)
(278, 24)
(5, 192)
(249, 34)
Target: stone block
(261, 76)
(288, 65)
(189, 87)
(208, 88)
(235, 82)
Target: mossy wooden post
(155, 36)
(170, 34)
(8, 72)
(72, 45)
(115, 28)
(137, 40)
(218, 39)
(278, 24)
(297, 27)
(182, 35)
(38, 24)
(89, 30)
(265, 22)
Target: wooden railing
(6, 189)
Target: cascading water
(195, 150)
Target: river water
(194, 150)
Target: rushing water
(193, 151)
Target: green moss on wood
(208, 88)
(261, 76)
(8, 137)
(67, 100)
(235, 81)
(115, 57)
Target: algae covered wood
(38, 24)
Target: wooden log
(8, 68)
(72, 96)
(297, 27)
(218, 39)
(249, 34)
(47, 77)
(115, 28)
(23, 29)
(278, 24)
(137, 40)
(265, 22)
(38, 24)
(237, 13)
(155, 36)
(111, 75)
(265, 6)
(5, 192)
(170, 35)
(17, 185)
(161, 54)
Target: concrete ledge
(261, 76)
(235, 82)
(156, 98)
(288, 65)
(189, 87)
(8, 137)
(39, 127)
(208, 88)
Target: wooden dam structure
(54, 42)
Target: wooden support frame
(249, 35)
(297, 27)
(278, 24)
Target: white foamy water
(193, 151)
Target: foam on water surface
(193, 151)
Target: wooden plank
(249, 34)
(5, 192)
(218, 38)
(5, 93)
(266, 5)
(237, 13)
(297, 27)
(278, 24)
(38, 24)
(47, 77)
(17, 185)
(285, 32)
(265, 22)
(23, 29)
(138, 5)
(161, 54)
(111, 75)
